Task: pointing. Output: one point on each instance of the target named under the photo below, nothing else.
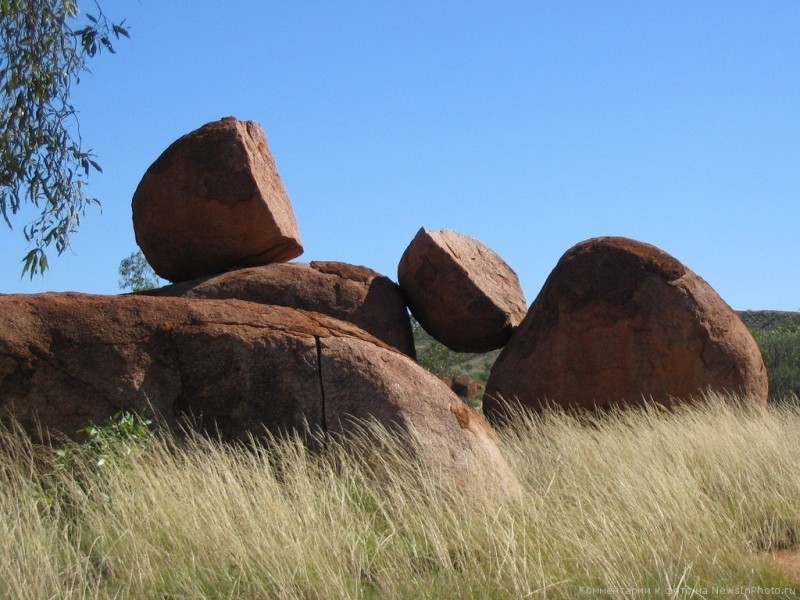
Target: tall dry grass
(642, 503)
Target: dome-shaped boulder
(619, 321)
(231, 368)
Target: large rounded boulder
(460, 291)
(351, 293)
(619, 321)
(214, 201)
(232, 368)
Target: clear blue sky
(529, 125)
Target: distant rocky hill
(759, 320)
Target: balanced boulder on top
(619, 321)
(351, 293)
(460, 291)
(214, 201)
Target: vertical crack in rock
(323, 422)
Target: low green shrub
(117, 438)
(780, 349)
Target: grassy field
(640, 504)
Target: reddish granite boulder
(214, 201)
(460, 291)
(619, 320)
(234, 368)
(367, 383)
(348, 292)
(463, 386)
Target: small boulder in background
(463, 386)
(618, 321)
(460, 291)
(214, 201)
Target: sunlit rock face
(460, 290)
(617, 321)
(214, 201)
(234, 369)
(351, 293)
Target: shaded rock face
(214, 201)
(618, 320)
(460, 291)
(235, 368)
(351, 293)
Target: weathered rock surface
(214, 201)
(460, 291)
(453, 436)
(348, 292)
(237, 368)
(619, 320)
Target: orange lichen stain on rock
(461, 413)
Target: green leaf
(31, 262)
(41, 160)
(120, 30)
(107, 43)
